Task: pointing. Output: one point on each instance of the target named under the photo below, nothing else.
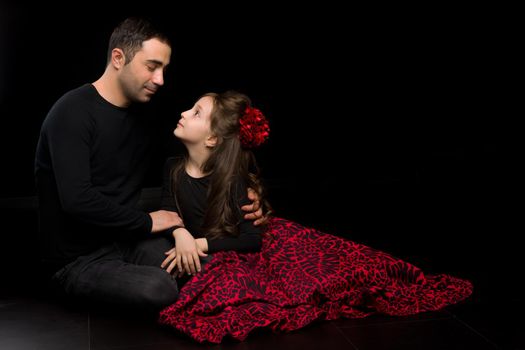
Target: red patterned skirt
(299, 276)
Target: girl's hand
(202, 246)
(186, 252)
(170, 262)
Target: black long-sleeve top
(90, 164)
(192, 199)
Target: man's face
(144, 75)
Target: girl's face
(194, 124)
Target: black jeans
(123, 273)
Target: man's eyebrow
(156, 62)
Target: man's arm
(69, 138)
(164, 220)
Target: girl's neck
(194, 167)
(195, 163)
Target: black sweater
(192, 198)
(90, 164)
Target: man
(91, 160)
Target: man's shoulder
(75, 99)
(82, 93)
(73, 105)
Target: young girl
(210, 184)
(285, 278)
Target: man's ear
(118, 59)
(211, 141)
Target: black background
(391, 126)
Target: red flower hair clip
(255, 129)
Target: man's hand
(163, 220)
(254, 210)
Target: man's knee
(161, 290)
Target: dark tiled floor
(30, 318)
(35, 319)
(492, 318)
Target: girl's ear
(211, 141)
